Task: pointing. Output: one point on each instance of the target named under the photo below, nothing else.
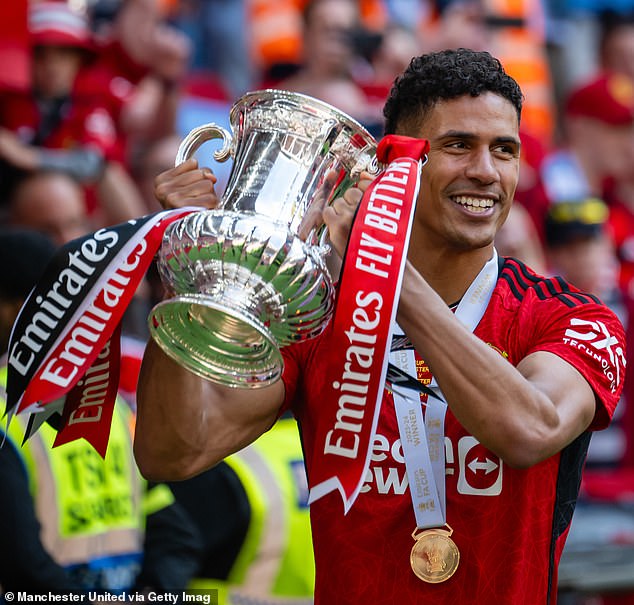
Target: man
(329, 58)
(67, 118)
(616, 43)
(542, 368)
(51, 202)
(597, 150)
(48, 125)
(580, 247)
(251, 516)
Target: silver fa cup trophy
(250, 276)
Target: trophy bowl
(250, 276)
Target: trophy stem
(218, 336)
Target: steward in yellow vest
(70, 520)
(89, 509)
(253, 515)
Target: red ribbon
(366, 307)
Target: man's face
(613, 147)
(468, 183)
(55, 69)
(52, 204)
(327, 37)
(587, 262)
(618, 54)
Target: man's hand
(186, 185)
(141, 29)
(340, 214)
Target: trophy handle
(196, 137)
(373, 167)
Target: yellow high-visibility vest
(276, 563)
(90, 509)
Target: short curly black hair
(444, 75)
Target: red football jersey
(84, 122)
(509, 524)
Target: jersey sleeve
(589, 337)
(299, 359)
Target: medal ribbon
(63, 358)
(367, 300)
(423, 443)
(423, 439)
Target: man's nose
(482, 166)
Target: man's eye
(505, 150)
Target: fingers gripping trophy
(250, 276)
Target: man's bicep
(267, 404)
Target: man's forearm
(518, 418)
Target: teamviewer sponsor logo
(480, 469)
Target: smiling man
(520, 368)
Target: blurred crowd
(95, 96)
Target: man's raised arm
(186, 424)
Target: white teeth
(475, 204)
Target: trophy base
(216, 340)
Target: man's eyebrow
(469, 136)
(509, 140)
(457, 134)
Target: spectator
(142, 63)
(70, 520)
(388, 54)
(580, 249)
(60, 123)
(599, 130)
(251, 513)
(329, 56)
(39, 123)
(603, 111)
(52, 203)
(598, 146)
(617, 57)
(616, 48)
(398, 44)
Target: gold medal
(435, 556)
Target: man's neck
(451, 273)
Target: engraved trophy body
(250, 276)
